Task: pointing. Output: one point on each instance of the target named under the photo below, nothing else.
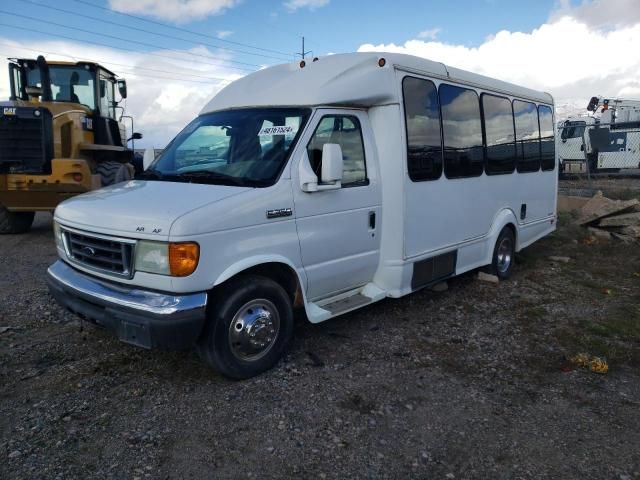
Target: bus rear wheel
(15, 222)
(504, 254)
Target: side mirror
(148, 158)
(332, 163)
(122, 88)
(331, 174)
(136, 136)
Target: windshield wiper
(214, 177)
(150, 174)
(202, 176)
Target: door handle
(372, 220)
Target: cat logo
(9, 111)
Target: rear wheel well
(513, 228)
(280, 273)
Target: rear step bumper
(140, 317)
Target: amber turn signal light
(183, 258)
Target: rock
(600, 206)
(633, 231)
(623, 238)
(440, 287)
(315, 360)
(626, 220)
(487, 277)
(553, 258)
(600, 234)
(15, 453)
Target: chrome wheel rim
(505, 255)
(254, 329)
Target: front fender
(247, 263)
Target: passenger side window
(461, 132)
(499, 134)
(422, 117)
(547, 140)
(345, 131)
(527, 136)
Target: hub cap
(254, 329)
(505, 255)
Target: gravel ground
(473, 382)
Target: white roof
(351, 79)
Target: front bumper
(140, 317)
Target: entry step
(348, 303)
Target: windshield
(248, 147)
(572, 130)
(68, 84)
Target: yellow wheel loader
(60, 136)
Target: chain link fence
(587, 149)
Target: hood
(139, 208)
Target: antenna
(304, 53)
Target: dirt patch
(467, 383)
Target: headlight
(57, 235)
(175, 259)
(152, 257)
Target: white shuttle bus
(323, 186)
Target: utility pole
(303, 50)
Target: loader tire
(15, 222)
(114, 172)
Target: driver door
(338, 229)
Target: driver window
(345, 131)
(106, 98)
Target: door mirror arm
(332, 167)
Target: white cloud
(293, 5)
(224, 34)
(430, 34)
(161, 102)
(600, 13)
(566, 56)
(179, 11)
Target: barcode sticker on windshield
(281, 130)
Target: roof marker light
(382, 62)
(315, 59)
(302, 64)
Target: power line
(173, 27)
(151, 32)
(145, 76)
(151, 45)
(94, 43)
(135, 67)
(75, 39)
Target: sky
(177, 54)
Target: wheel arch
(505, 218)
(277, 268)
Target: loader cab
(84, 83)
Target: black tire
(113, 172)
(504, 253)
(15, 222)
(245, 302)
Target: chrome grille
(102, 253)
